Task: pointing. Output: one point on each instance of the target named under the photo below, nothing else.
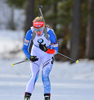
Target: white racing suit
(45, 58)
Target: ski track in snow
(66, 81)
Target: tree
(11, 22)
(16, 3)
(29, 14)
(75, 30)
(29, 11)
(90, 31)
(29, 7)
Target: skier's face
(38, 27)
(39, 31)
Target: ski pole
(68, 57)
(19, 62)
(40, 7)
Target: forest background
(72, 21)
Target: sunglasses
(38, 29)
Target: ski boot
(27, 96)
(47, 96)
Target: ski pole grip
(40, 6)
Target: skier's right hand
(33, 58)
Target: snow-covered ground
(69, 81)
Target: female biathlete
(44, 48)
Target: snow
(69, 81)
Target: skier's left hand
(43, 47)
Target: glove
(43, 47)
(33, 58)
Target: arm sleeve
(54, 43)
(27, 42)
